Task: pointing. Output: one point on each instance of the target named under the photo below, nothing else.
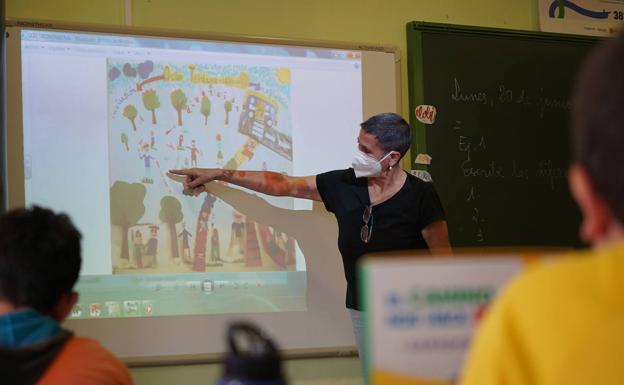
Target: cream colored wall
(370, 21)
(319, 371)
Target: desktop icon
(95, 309)
(131, 308)
(113, 308)
(76, 311)
(207, 286)
(148, 307)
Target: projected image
(100, 135)
(169, 115)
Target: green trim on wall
(416, 93)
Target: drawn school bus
(258, 120)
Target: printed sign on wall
(582, 17)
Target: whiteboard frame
(13, 151)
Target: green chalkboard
(500, 140)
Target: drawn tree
(178, 101)
(126, 209)
(228, 107)
(130, 112)
(151, 101)
(205, 108)
(124, 140)
(171, 214)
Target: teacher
(379, 207)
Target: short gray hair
(391, 130)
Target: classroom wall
(368, 21)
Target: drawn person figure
(147, 159)
(249, 148)
(215, 253)
(219, 150)
(186, 249)
(137, 249)
(194, 153)
(151, 249)
(236, 249)
(199, 262)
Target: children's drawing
(167, 115)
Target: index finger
(182, 172)
(179, 177)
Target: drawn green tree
(178, 101)
(228, 107)
(124, 140)
(171, 214)
(205, 108)
(126, 209)
(151, 102)
(130, 112)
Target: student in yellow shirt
(563, 322)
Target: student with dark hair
(39, 265)
(561, 323)
(378, 206)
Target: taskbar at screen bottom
(110, 296)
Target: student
(561, 323)
(378, 206)
(39, 265)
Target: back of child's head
(598, 122)
(39, 257)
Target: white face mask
(365, 165)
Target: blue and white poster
(422, 313)
(582, 17)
